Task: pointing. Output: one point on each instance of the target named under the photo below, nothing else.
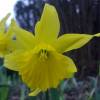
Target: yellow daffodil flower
(40, 61)
(6, 41)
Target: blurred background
(76, 16)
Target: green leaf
(4, 90)
(54, 94)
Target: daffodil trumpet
(39, 58)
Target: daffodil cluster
(39, 58)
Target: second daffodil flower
(6, 41)
(39, 60)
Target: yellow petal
(97, 35)
(69, 42)
(11, 43)
(24, 39)
(43, 69)
(6, 41)
(35, 92)
(9, 31)
(48, 27)
(12, 61)
(2, 23)
(47, 74)
(70, 75)
(3, 45)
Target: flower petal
(35, 92)
(11, 61)
(44, 75)
(2, 24)
(23, 39)
(69, 42)
(97, 35)
(12, 45)
(3, 45)
(5, 40)
(48, 27)
(37, 73)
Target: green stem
(47, 95)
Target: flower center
(43, 54)
(43, 51)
